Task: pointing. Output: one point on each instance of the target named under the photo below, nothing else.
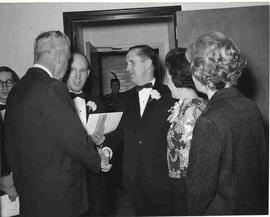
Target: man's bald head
(79, 72)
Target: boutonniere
(174, 110)
(92, 105)
(155, 94)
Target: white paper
(8, 207)
(103, 122)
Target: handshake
(105, 153)
(105, 156)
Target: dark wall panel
(248, 27)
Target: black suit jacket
(5, 170)
(1, 147)
(97, 101)
(145, 144)
(227, 163)
(46, 146)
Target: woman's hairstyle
(179, 68)
(215, 61)
(14, 75)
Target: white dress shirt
(143, 96)
(3, 112)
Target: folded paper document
(8, 207)
(103, 122)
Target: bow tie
(74, 95)
(2, 107)
(147, 85)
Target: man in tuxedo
(8, 78)
(144, 128)
(47, 146)
(85, 105)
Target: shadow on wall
(248, 87)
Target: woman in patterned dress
(182, 118)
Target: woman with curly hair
(227, 161)
(183, 117)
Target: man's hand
(97, 138)
(12, 193)
(7, 185)
(105, 157)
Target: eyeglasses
(8, 83)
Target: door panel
(93, 83)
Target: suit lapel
(152, 102)
(134, 105)
(87, 108)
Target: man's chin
(76, 90)
(76, 87)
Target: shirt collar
(44, 68)
(153, 81)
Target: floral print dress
(180, 134)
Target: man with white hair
(46, 142)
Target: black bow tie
(147, 85)
(2, 107)
(74, 95)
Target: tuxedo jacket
(228, 158)
(5, 170)
(1, 147)
(47, 146)
(97, 101)
(90, 175)
(145, 138)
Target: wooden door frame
(73, 20)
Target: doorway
(103, 36)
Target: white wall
(20, 23)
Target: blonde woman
(227, 155)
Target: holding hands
(105, 153)
(97, 138)
(105, 156)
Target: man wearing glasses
(7, 80)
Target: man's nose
(4, 86)
(78, 75)
(128, 68)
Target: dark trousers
(148, 200)
(178, 202)
(102, 194)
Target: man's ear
(148, 63)
(59, 55)
(88, 73)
